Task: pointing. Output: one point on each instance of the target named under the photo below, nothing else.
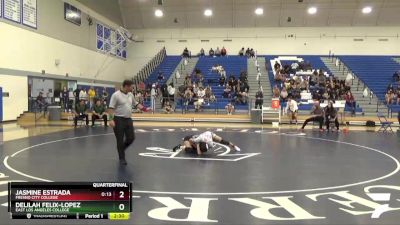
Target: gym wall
(34, 50)
(284, 40)
(17, 102)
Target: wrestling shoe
(176, 148)
(123, 162)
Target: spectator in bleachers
(259, 98)
(209, 97)
(217, 52)
(230, 108)
(317, 95)
(160, 76)
(83, 95)
(243, 76)
(227, 91)
(389, 96)
(188, 95)
(314, 78)
(153, 96)
(331, 115)
(276, 92)
(223, 73)
(232, 81)
(99, 112)
(350, 102)
(211, 52)
(390, 88)
(241, 52)
(280, 76)
(187, 81)
(252, 53)
(291, 109)
(247, 53)
(41, 102)
(168, 107)
(200, 94)
(317, 115)
(277, 66)
(139, 97)
(92, 95)
(396, 76)
(171, 92)
(186, 53)
(222, 80)
(223, 51)
(304, 85)
(284, 94)
(216, 68)
(80, 112)
(201, 54)
(321, 79)
(198, 78)
(164, 94)
(349, 79)
(295, 91)
(242, 93)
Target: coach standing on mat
(120, 111)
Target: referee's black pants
(124, 132)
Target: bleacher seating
(316, 63)
(167, 67)
(232, 65)
(375, 71)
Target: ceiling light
(158, 13)
(259, 11)
(367, 10)
(208, 12)
(312, 10)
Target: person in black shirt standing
(99, 111)
(331, 115)
(76, 94)
(259, 98)
(65, 98)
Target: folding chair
(385, 124)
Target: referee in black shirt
(120, 111)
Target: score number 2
(121, 206)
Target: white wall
(25, 50)
(272, 41)
(17, 103)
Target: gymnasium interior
(296, 103)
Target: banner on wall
(29, 13)
(12, 10)
(110, 42)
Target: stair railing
(145, 72)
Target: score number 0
(121, 195)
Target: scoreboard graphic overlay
(76, 200)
